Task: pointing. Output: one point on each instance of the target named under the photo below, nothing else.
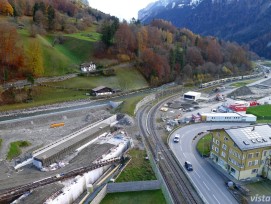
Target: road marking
(197, 174)
(216, 199)
(184, 155)
(206, 185)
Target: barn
(101, 91)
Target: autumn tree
(124, 39)
(213, 52)
(11, 53)
(6, 8)
(35, 60)
(193, 56)
(142, 38)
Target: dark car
(188, 166)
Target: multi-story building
(244, 152)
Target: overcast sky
(123, 9)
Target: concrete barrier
(125, 187)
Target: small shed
(101, 90)
(191, 95)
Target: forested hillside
(164, 53)
(36, 37)
(44, 37)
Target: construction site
(218, 104)
(63, 145)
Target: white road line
(206, 185)
(147, 123)
(184, 155)
(216, 199)
(197, 174)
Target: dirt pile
(242, 91)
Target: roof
(227, 115)
(99, 88)
(251, 137)
(91, 134)
(192, 93)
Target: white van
(176, 138)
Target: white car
(176, 138)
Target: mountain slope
(244, 21)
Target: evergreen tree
(51, 17)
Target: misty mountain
(244, 21)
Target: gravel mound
(242, 91)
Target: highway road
(206, 179)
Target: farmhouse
(243, 152)
(101, 90)
(88, 67)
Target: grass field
(128, 106)
(242, 83)
(260, 188)
(45, 96)
(125, 79)
(203, 145)
(15, 149)
(141, 197)
(55, 62)
(64, 58)
(139, 169)
(262, 112)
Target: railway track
(180, 188)
(19, 190)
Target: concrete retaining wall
(126, 187)
(133, 186)
(144, 101)
(100, 196)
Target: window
(226, 139)
(257, 154)
(217, 142)
(254, 171)
(244, 156)
(224, 147)
(213, 147)
(264, 153)
(223, 154)
(250, 155)
(250, 163)
(216, 149)
(213, 140)
(256, 162)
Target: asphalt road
(205, 178)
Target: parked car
(176, 138)
(188, 166)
